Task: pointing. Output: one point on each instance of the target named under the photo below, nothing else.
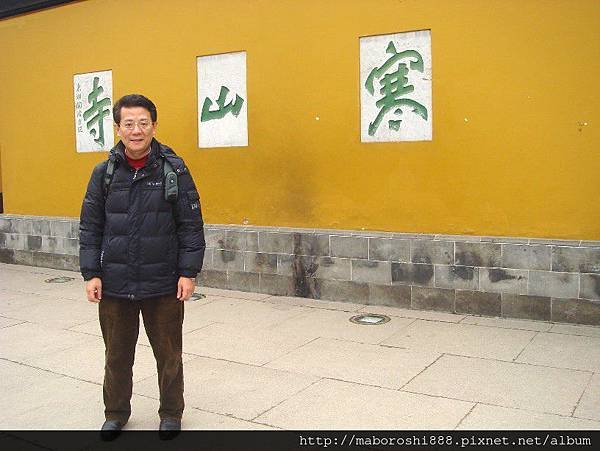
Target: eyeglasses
(143, 124)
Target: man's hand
(93, 289)
(185, 288)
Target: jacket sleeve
(190, 227)
(91, 225)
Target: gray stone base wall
(527, 278)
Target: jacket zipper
(135, 174)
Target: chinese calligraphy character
(234, 106)
(96, 112)
(78, 107)
(394, 85)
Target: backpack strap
(108, 175)
(171, 182)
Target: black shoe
(169, 428)
(111, 429)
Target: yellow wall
(512, 81)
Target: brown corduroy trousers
(163, 321)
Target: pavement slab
(336, 324)
(589, 405)
(29, 341)
(330, 404)
(229, 388)
(356, 362)
(59, 313)
(563, 351)
(462, 339)
(7, 322)
(244, 312)
(415, 314)
(505, 323)
(569, 329)
(493, 417)
(249, 345)
(507, 384)
(315, 303)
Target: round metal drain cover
(59, 279)
(196, 296)
(370, 319)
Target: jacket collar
(118, 152)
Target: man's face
(136, 130)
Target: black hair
(132, 100)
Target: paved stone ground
(255, 361)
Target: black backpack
(170, 183)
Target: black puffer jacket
(134, 240)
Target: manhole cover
(370, 319)
(59, 280)
(196, 296)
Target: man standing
(141, 247)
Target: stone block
(277, 285)
(503, 280)
(53, 245)
(311, 244)
(439, 299)
(243, 281)
(228, 260)
(526, 307)
(578, 311)
(233, 240)
(371, 271)
(16, 241)
(300, 266)
(275, 242)
(307, 287)
(61, 228)
(44, 260)
(2, 240)
(252, 241)
(68, 262)
(7, 256)
(22, 226)
(207, 263)
(5, 225)
(42, 227)
(71, 246)
(349, 246)
(590, 286)
(463, 277)
(346, 291)
(394, 296)
(553, 284)
(576, 259)
(522, 256)
(34, 243)
(260, 262)
(24, 258)
(74, 228)
(214, 237)
(212, 278)
(478, 303)
(412, 274)
(385, 249)
(432, 252)
(478, 254)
